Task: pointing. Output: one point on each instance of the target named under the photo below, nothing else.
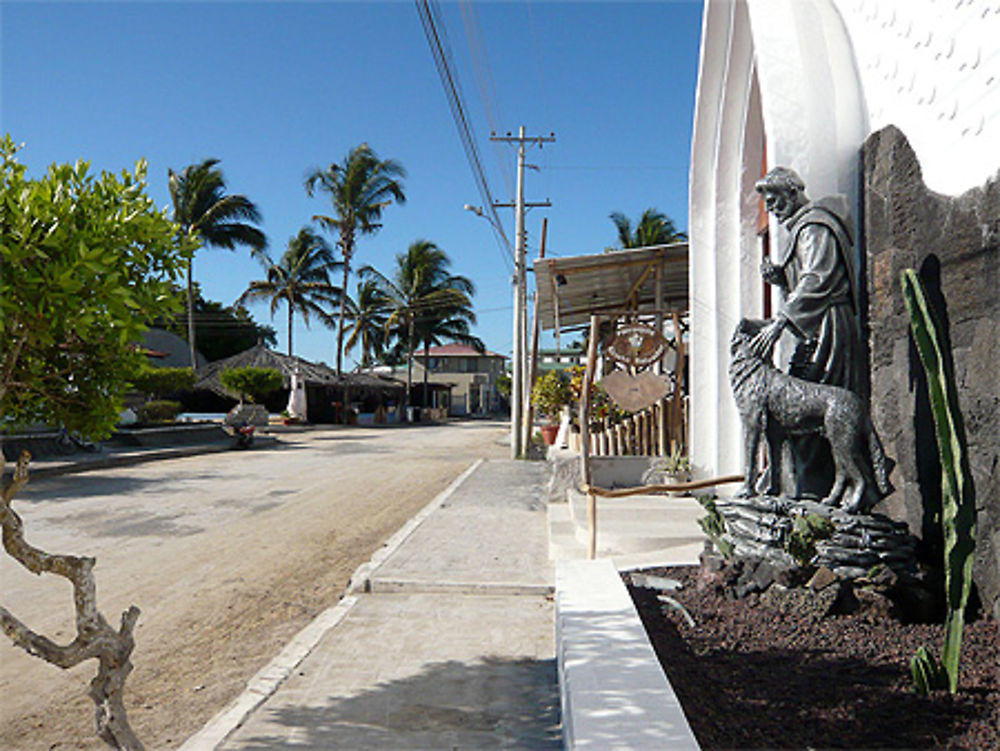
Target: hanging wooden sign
(635, 392)
(636, 345)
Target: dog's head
(746, 330)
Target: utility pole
(520, 323)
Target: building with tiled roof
(472, 374)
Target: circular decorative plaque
(636, 344)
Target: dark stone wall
(954, 243)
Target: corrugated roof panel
(571, 289)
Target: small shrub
(156, 382)
(251, 384)
(550, 394)
(667, 469)
(159, 410)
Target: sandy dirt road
(227, 555)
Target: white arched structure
(806, 81)
(774, 74)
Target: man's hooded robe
(822, 302)
(820, 309)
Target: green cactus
(928, 674)
(714, 525)
(806, 531)
(958, 500)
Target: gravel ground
(228, 556)
(753, 675)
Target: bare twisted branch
(95, 638)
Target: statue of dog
(779, 405)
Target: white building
(803, 83)
(473, 376)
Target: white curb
(614, 693)
(360, 580)
(267, 680)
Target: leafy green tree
(300, 279)
(653, 228)
(85, 262)
(208, 215)
(220, 330)
(426, 302)
(252, 384)
(359, 187)
(368, 313)
(156, 382)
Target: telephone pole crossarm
(521, 138)
(528, 205)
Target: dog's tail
(882, 465)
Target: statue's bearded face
(781, 202)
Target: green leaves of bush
(159, 381)
(551, 393)
(159, 410)
(253, 384)
(85, 262)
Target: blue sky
(275, 89)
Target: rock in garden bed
(774, 671)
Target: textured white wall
(932, 68)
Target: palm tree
(368, 313)
(359, 188)
(654, 228)
(426, 302)
(205, 213)
(300, 279)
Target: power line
(435, 33)
(485, 83)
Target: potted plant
(673, 469)
(549, 395)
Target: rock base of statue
(849, 545)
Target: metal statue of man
(816, 270)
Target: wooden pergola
(642, 284)
(648, 285)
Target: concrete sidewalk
(446, 641)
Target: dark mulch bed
(751, 675)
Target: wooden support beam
(678, 415)
(588, 379)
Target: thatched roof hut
(325, 390)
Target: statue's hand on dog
(775, 406)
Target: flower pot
(677, 478)
(549, 433)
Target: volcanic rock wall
(954, 243)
